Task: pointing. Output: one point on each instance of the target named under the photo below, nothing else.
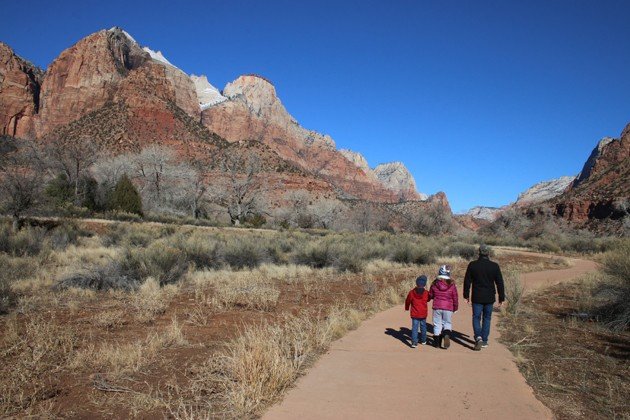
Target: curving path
(371, 374)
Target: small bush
(242, 253)
(202, 251)
(160, 260)
(28, 241)
(461, 249)
(616, 291)
(111, 275)
(407, 253)
(317, 255)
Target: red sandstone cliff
(19, 94)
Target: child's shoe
(447, 339)
(437, 341)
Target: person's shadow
(403, 334)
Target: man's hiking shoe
(413, 345)
(423, 343)
(447, 340)
(484, 344)
(478, 344)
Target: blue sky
(480, 99)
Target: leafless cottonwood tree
(326, 212)
(21, 178)
(240, 188)
(73, 159)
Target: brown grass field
(130, 320)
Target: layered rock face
(544, 191)
(108, 66)
(602, 190)
(396, 177)
(253, 111)
(20, 83)
(207, 94)
(357, 159)
(110, 90)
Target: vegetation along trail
(372, 373)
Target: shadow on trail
(403, 334)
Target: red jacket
(418, 303)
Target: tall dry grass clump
(266, 359)
(514, 290)
(616, 289)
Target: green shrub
(316, 255)
(125, 197)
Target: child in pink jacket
(444, 294)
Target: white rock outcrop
(207, 94)
(485, 213)
(396, 177)
(544, 190)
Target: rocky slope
(20, 82)
(111, 90)
(253, 110)
(485, 213)
(544, 191)
(601, 192)
(108, 66)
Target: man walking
(486, 280)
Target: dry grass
(514, 290)
(576, 366)
(151, 300)
(118, 359)
(38, 348)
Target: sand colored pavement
(372, 374)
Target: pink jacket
(444, 295)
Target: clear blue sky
(480, 99)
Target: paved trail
(371, 374)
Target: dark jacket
(486, 280)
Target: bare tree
(195, 187)
(73, 159)
(239, 191)
(21, 178)
(326, 212)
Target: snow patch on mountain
(157, 55)
(208, 95)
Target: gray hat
(484, 250)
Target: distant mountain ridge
(110, 88)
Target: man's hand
(500, 305)
(468, 301)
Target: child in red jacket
(417, 300)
